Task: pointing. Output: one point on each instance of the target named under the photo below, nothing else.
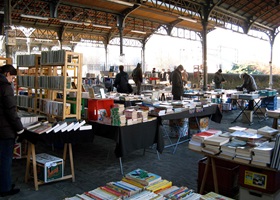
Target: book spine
(92, 196)
(112, 191)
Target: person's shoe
(9, 193)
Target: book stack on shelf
(139, 185)
(213, 144)
(262, 154)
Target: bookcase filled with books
(44, 82)
(28, 67)
(64, 71)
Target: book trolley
(53, 74)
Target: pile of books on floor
(41, 127)
(139, 185)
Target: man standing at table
(219, 79)
(177, 83)
(10, 127)
(250, 85)
(137, 77)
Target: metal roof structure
(104, 20)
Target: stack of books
(143, 114)
(243, 154)
(267, 132)
(117, 118)
(213, 144)
(197, 140)
(143, 177)
(228, 150)
(262, 154)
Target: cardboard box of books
(49, 167)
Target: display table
(66, 138)
(213, 112)
(256, 107)
(130, 138)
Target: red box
(95, 104)
(227, 175)
(259, 179)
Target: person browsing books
(121, 81)
(10, 128)
(137, 78)
(177, 83)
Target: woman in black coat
(10, 127)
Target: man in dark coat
(218, 79)
(177, 83)
(250, 85)
(137, 77)
(121, 81)
(10, 127)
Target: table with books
(259, 102)
(67, 138)
(254, 151)
(212, 111)
(131, 137)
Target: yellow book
(159, 185)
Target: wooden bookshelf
(4, 61)
(69, 66)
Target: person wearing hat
(219, 79)
(177, 83)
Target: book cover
(143, 177)
(200, 137)
(267, 131)
(214, 131)
(216, 140)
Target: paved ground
(95, 165)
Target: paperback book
(143, 177)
